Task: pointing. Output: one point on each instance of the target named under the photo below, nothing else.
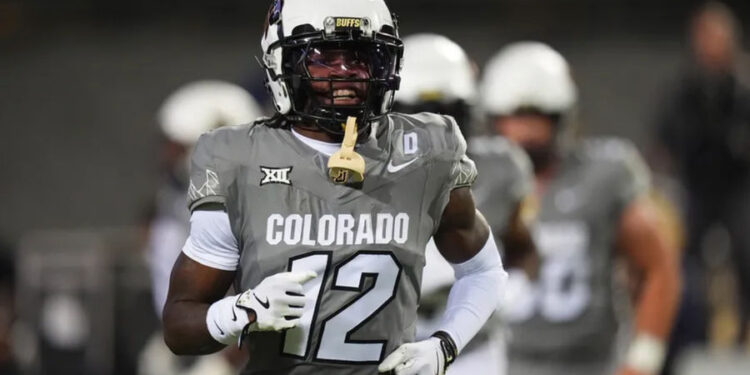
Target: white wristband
(646, 354)
(225, 321)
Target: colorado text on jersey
(341, 229)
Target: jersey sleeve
(452, 168)
(463, 174)
(210, 173)
(211, 242)
(463, 170)
(628, 174)
(634, 178)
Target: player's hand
(419, 358)
(278, 301)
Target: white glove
(278, 301)
(270, 301)
(419, 358)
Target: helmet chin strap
(346, 166)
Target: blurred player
(192, 110)
(589, 208)
(703, 134)
(320, 215)
(439, 77)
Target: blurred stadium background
(81, 82)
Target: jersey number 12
(335, 343)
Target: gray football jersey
(366, 244)
(505, 179)
(567, 315)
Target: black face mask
(541, 156)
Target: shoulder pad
(608, 149)
(442, 132)
(500, 148)
(622, 159)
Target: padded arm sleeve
(475, 294)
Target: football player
(438, 76)
(590, 206)
(190, 111)
(320, 214)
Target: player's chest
(296, 204)
(573, 215)
(305, 187)
(578, 194)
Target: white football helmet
(528, 76)
(437, 77)
(435, 69)
(201, 106)
(296, 27)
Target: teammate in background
(439, 77)
(589, 208)
(320, 215)
(190, 111)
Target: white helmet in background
(435, 69)
(437, 77)
(201, 106)
(294, 28)
(528, 76)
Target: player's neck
(316, 134)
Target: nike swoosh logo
(217, 326)
(395, 168)
(265, 305)
(234, 315)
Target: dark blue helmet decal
(274, 14)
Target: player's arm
(520, 251)
(193, 287)
(463, 231)
(464, 240)
(198, 318)
(641, 239)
